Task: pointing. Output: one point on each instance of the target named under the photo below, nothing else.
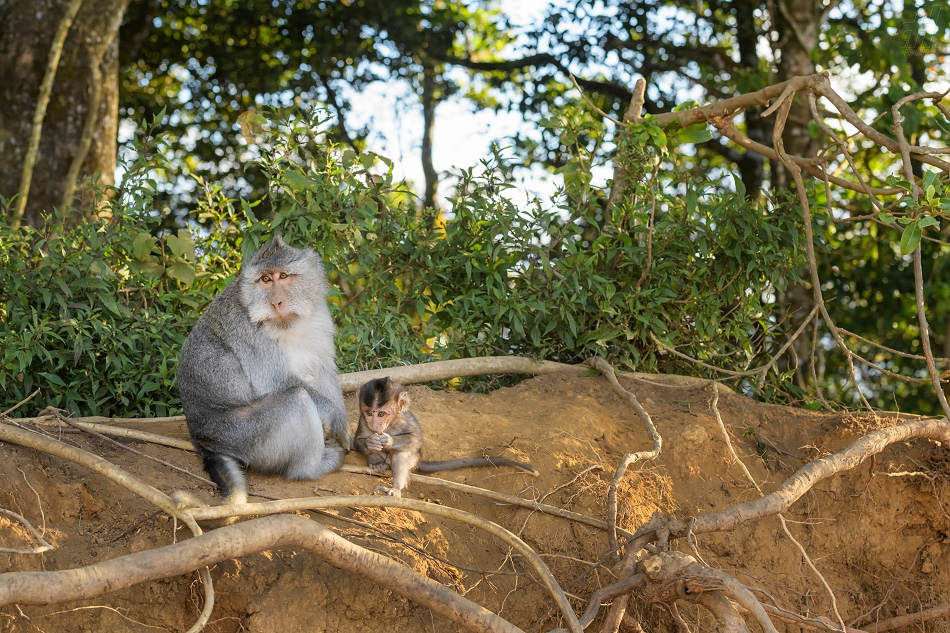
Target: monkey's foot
(392, 492)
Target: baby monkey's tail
(473, 462)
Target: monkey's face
(282, 284)
(277, 290)
(379, 418)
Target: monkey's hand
(379, 441)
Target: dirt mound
(878, 533)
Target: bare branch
(632, 117)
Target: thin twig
(591, 103)
(905, 151)
(88, 428)
(495, 496)
(19, 404)
(763, 370)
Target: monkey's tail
(228, 474)
(473, 462)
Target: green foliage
(94, 311)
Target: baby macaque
(391, 438)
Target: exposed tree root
(943, 611)
(190, 516)
(40, 588)
(320, 503)
(608, 372)
(810, 474)
(44, 546)
(114, 431)
(15, 435)
(444, 369)
(497, 496)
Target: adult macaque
(258, 378)
(391, 438)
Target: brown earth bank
(879, 534)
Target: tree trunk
(798, 22)
(428, 127)
(81, 121)
(752, 167)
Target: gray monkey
(258, 378)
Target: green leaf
(692, 199)
(911, 238)
(152, 270)
(182, 271)
(367, 159)
(248, 213)
(53, 378)
(100, 268)
(698, 133)
(110, 303)
(182, 245)
(931, 180)
(142, 246)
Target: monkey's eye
(380, 414)
(283, 275)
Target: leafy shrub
(94, 310)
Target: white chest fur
(305, 345)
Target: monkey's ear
(278, 241)
(403, 402)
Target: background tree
(207, 63)
(716, 50)
(204, 64)
(58, 112)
